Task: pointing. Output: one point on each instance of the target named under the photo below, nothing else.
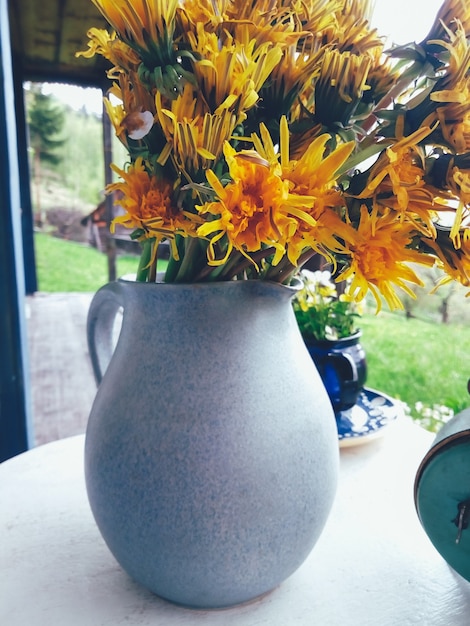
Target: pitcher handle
(345, 364)
(104, 307)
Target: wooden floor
(62, 383)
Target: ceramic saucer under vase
(367, 419)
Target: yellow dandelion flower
(231, 72)
(249, 212)
(292, 77)
(121, 56)
(397, 180)
(382, 77)
(354, 32)
(380, 257)
(314, 197)
(147, 201)
(340, 86)
(316, 18)
(452, 93)
(454, 262)
(267, 21)
(116, 114)
(281, 23)
(146, 25)
(100, 42)
(210, 13)
(317, 168)
(458, 182)
(402, 161)
(445, 18)
(454, 119)
(326, 236)
(194, 139)
(421, 210)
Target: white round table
(373, 564)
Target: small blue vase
(342, 366)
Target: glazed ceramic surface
(442, 493)
(211, 453)
(368, 418)
(343, 368)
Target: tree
(45, 124)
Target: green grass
(410, 359)
(66, 266)
(418, 361)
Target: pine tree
(45, 124)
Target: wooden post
(27, 218)
(15, 403)
(109, 212)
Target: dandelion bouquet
(262, 133)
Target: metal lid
(442, 494)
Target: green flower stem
(194, 257)
(212, 273)
(173, 264)
(146, 255)
(283, 272)
(232, 267)
(153, 270)
(171, 269)
(239, 263)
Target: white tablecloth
(373, 564)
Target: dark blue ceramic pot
(343, 368)
(211, 454)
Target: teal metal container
(442, 493)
